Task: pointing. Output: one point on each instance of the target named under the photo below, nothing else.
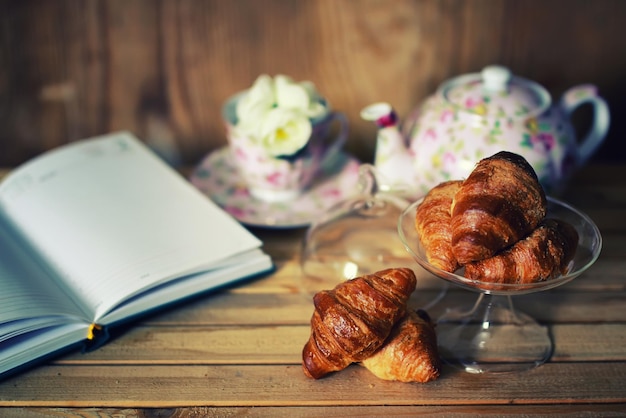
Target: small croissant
(499, 203)
(543, 255)
(410, 353)
(432, 223)
(354, 319)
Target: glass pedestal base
(492, 337)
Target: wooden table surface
(238, 352)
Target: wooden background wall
(162, 68)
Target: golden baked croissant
(499, 203)
(543, 255)
(353, 320)
(432, 222)
(410, 353)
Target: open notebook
(98, 232)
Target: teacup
(283, 178)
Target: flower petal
(276, 113)
(258, 99)
(290, 95)
(285, 132)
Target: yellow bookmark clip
(93, 329)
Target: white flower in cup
(277, 113)
(284, 131)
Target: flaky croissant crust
(499, 203)
(433, 224)
(543, 255)
(353, 320)
(410, 353)
(499, 230)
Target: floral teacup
(280, 135)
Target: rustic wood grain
(293, 309)
(262, 385)
(180, 345)
(162, 69)
(449, 411)
(238, 351)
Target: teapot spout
(381, 113)
(392, 158)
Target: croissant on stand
(354, 320)
(498, 204)
(543, 254)
(497, 226)
(432, 221)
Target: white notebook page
(112, 219)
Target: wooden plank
(590, 342)
(556, 306)
(294, 309)
(596, 195)
(200, 345)
(605, 275)
(609, 220)
(126, 62)
(613, 239)
(572, 411)
(239, 309)
(283, 345)
(133, 69)
(251, 385)
(599, 175)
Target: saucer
(217, 177)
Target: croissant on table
(432, 223)
(543, 255)
(500, 202)
(410, 353)
(352, 321)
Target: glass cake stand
(359, 236)
(491, 335)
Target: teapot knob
(496, 78)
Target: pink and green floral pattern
(218, 178)
(474, 116)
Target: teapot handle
(577, 96)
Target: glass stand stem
(491, 336)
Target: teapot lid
(495, 92)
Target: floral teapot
(477, 115)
